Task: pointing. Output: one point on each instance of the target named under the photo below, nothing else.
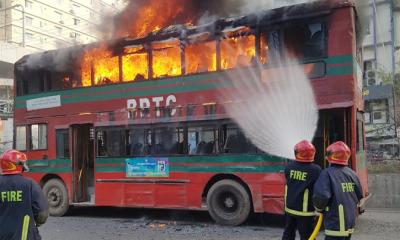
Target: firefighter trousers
(305, 226)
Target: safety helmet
(338, 153)
(304, 151)
(13, 162)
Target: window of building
(29, 21)
(62, 143)
(59, 17)
(28, 4)
(58, 30)
(367, 117)
(20, 138)
(28, 36)
(76, 21)
(379, 117)
(38, 136)
(202, 140)
(368, 26)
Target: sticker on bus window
(147, 167)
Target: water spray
(275, 107)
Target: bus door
(83, 162)
(333, 125)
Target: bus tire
(57, 196)
(228, 202)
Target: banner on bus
(147, 167)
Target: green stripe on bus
(45, 163)
(205, 159)
(221, 169)
(344, 70)
(51, 170)
(339, 59)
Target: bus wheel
(57, 197)
(228, 202)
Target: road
(123, 223)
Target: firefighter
(301, 175)
(23, 206)
(337, 193)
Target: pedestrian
(337, 193)
(300, 175)
(23, 206)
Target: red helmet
(338, 153)
(13, 162)
(304, 151)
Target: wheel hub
(229, 202)
(54, 197)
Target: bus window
(168, 141)
(62, 143)
(111, 142)
(238, 49)
(236, 142)
(139, 142)
(38, 136)
(20, 138)
(106, 70)
(305, 41)
(135, 64)
(35, 82)
(202, 140)
(166, 59)
(201, 57)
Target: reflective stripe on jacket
(300, 178)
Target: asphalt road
(123, 223)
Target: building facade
(48, 24)
(381, 65)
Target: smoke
(59, 60)
(140, 17)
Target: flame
(135, 64)
(143, 16)
(105, 66)
(201, 57)
(237, 50)
(166, 59)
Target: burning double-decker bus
(137, 122)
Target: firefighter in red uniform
(23, 206)
(337, 193)
(301, 175)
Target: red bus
(138, 122)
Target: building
(381, 57)
(49, 24)
(6, 105)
